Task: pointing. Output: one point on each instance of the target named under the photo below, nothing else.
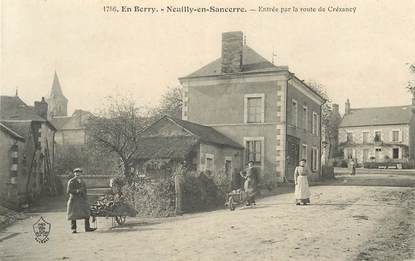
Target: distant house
(171, 141)
(264, 108)
(27, 146)
(70, 129)
(377, 134)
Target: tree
(171, 103)
(411, 83)
(116, 129)
(330, 120)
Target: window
(348, 153)
(209, 162)
(305, 118)
(395, 153)
(365, 137)
(378, 136)
(228, 166)
(254, 108)
(254, 150)
(294, 113)
(350, 137)
(304, 151)
(395, 135)
(315, 124)
(314, 159)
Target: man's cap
(77, 170)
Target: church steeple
(58, 103)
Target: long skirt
(302, 190)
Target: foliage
(171, 104)
(327, 172)
(152, 198)
(330, 120)
(68, 157)
(411, 83)
(116, 130)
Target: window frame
(246, 152)
(363, 137)
(399, 135)
(315, 127)
(380, 135)
(314, 159)
(212, 157)
(295, 123)
(304, 151)
(246, 109)
(305, 117)
(228, 158)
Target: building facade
(27, 149)
(170, 141)
(376, 134)
(265, 108)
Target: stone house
(71, 130)
(169, 141)
(27, 149)
(377, 134)
(264, 108)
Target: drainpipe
(286, 126)
(319, 162)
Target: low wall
(91, 181)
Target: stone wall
(92, 181)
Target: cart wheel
(231, 204)
(120, 219)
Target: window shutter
(400, 135)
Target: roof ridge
(380, 107)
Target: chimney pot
(41, 108)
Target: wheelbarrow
(237, 197)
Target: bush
(410, 164)
(327, 172)
(152, 198)
(205, 190)
(344, 164)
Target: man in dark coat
(77, 207)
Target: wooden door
(293, 156)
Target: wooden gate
(293, 154)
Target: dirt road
(343, 223)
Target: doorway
(293, 156)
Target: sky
(361, 56)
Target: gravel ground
(342, 223)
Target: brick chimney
(232, 44)
(347, 107)
(41, 108)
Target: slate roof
(205, 133)
(251, 62)
(11, 132)
(165, 147)
(13, 108)
(76, 121)
(377, 116)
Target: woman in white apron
(302, 190)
